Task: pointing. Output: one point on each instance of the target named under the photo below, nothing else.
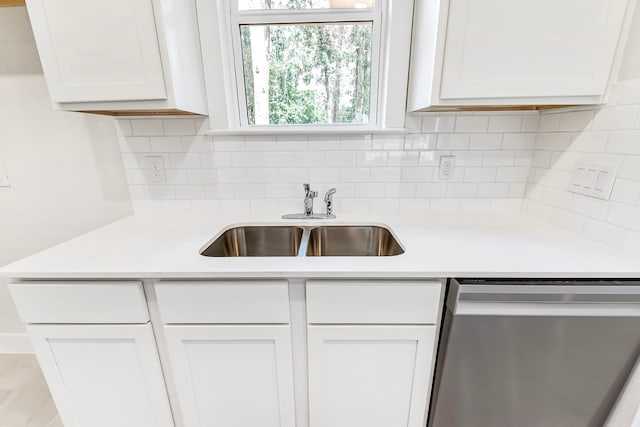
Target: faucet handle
(307, 188)
(329, 195)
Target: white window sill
(311, 131)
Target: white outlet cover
(594, 180)
(4, 179)
(156, 170)
(447, 168)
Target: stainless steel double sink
(283, 241)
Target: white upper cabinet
(121, 55)
(469, 53)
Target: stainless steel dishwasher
(534, 353)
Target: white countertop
(167, 246)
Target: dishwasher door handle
(542, 300)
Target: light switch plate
(4, 179)
(594, 180)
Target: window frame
(237, 18)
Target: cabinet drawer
(80, 302)
(242, 302)
(373, 302)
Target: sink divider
(304, 241)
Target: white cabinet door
(233, 376)
(374, 376)
(103, 375)
(98, 50)
(523, 48)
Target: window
(306, 62)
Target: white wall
(65, 169)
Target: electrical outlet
(155, 166)
(594, 180)
(447, 168)
(4, 179)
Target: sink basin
(360, 240)
(256, 241)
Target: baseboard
(15, 343)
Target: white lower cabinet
(374, 376)
(103, 375)
(233, 376)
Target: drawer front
(243, 302)
(80, 302)
(373, 302)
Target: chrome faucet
(328, 200)
(309, 195)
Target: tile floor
(25, 400)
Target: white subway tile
(354, 174)
(531, 122)
(385, 174)
(524, 158)
(624, 142)
(445, 205)
(293, 175)
(499, 158)
(357, 142)
(434, 123)
(466, 158)
(228, 143)
(183, 160)
(247, 159)
(196, 144)
(134, 144)
(387, 142)
(264, 206)
(340, 158)
(291, 143)
(179, 127)
(430, 158)
(420, 141)
(554, 141)
(123, 127)
(631, 168)
(471, 124)
(591, 141)
(232, 175)
(166, 144)
(420, 174)
(371, 158)
(278, 159)
(248, 191)
(506, 123)
(493, 189)
(611, 118)
(308, 159)
(262, 175)
(484, 174)
(403, 158)
(431, 190)
(215, 160)
(589, 206)
(568, 220)
(370, 190)
(549, 122)
(462, 191)
(513, 174)
(453, 141)
(189, 192)
(147, 127)
(558, 198)
(384, 205)
(260, 143)
(625, 216)
(539, 210)
(324, 174)
(485, 141)
(576, 120)
(204, 176)
(517, 189)
(519, 141)
(324, 143)
(626, 191)
(400, 190)
(281, 191)
(161, 192)
(219, 191)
